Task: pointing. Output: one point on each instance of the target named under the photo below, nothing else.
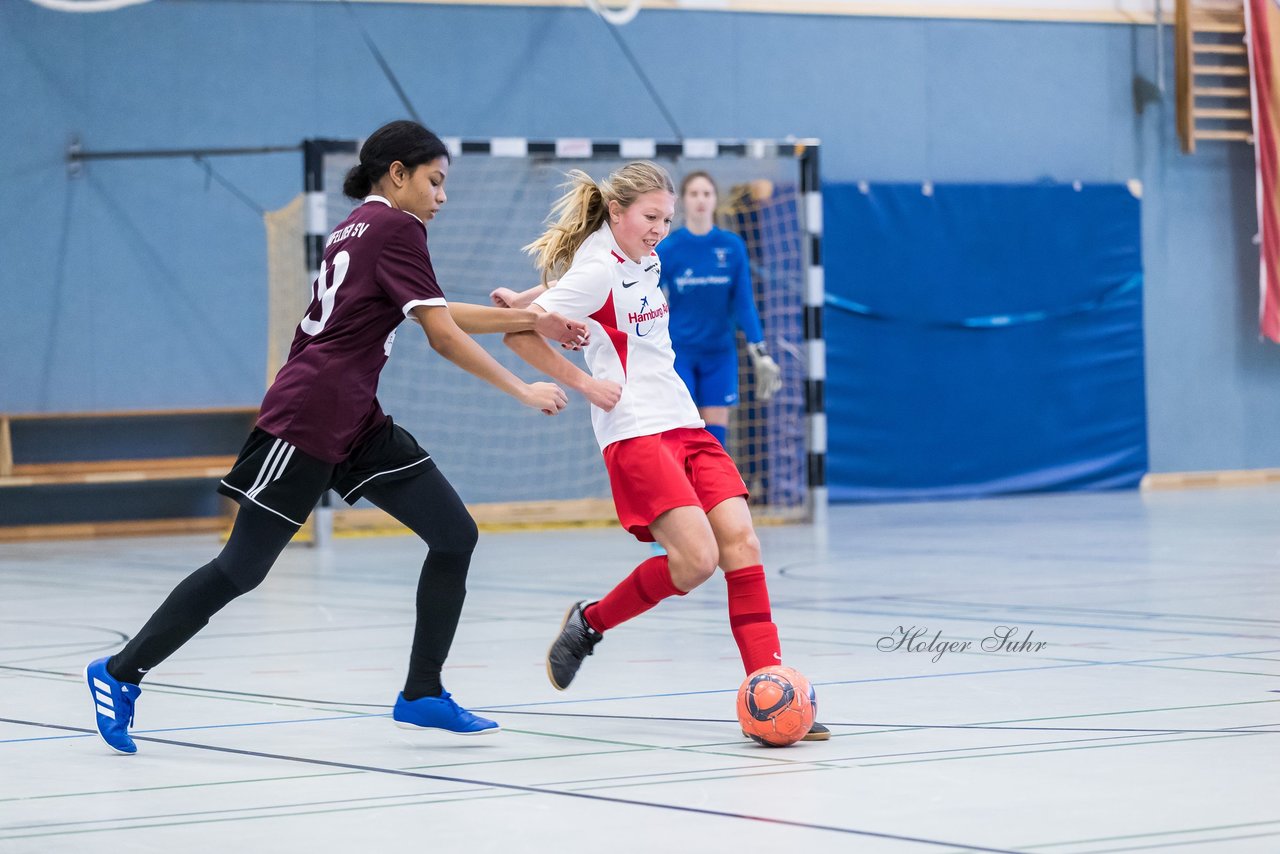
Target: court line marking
(205, 784)
(504, 761)
(1157, 666)
(517, 708)
(331, 811)
(251, 780)
(1068, 609)
(846, 762)
(1047, 750)
(906, 726)
(1181, 831)
(513, 787)
(1177, 843)
(962, 618)
(823, 765)
(245, 809)
(211, 726)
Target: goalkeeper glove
(768, 374)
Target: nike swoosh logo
(629, 284)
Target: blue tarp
(983, 339)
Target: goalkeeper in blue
(707, 278)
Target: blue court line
(996, 671)
(840, 562)
(1075, 744)
(1105, 612)
(1179, 842)
(244, 812)
(491, 708)
(890, 599)
(539, 790)
(1243, 729)
(199, 691)
(898, 616)
(855, 637)
(944, 532)
(205, 726)
(1150, 835)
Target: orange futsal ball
(776, 706)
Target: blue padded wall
(989, 336)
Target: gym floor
(1126, 698)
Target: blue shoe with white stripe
(440, 713)
(113, 706)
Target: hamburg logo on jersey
(644, 319)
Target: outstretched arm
(579, 293)
(511, 299)
(481, 319)
(455, 345)
(535, 351)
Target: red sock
(751, 620)
(647, 585)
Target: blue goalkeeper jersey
(708, 283)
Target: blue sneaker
(440, 713)
(113, 704)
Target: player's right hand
(569, 333)
(548, 398)
(603, 393)
(503, 297)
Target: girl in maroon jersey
(320, 427)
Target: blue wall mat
(989, 339)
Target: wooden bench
(88, 474)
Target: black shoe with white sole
(575, 642)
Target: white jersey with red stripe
(627, 314)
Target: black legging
(429, 507)
(426, 503)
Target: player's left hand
(571, 334)
(503, 297)
(548, 398)
(582, 342)
(602, 393)
(768, 374)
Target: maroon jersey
(375, 269)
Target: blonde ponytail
(584, 207)
(574, 217)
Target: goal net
(525, 466)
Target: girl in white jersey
(671, 480)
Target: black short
(279, 477)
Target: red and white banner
(1262, 25)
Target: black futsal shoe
(817, 732)
(575, 642)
